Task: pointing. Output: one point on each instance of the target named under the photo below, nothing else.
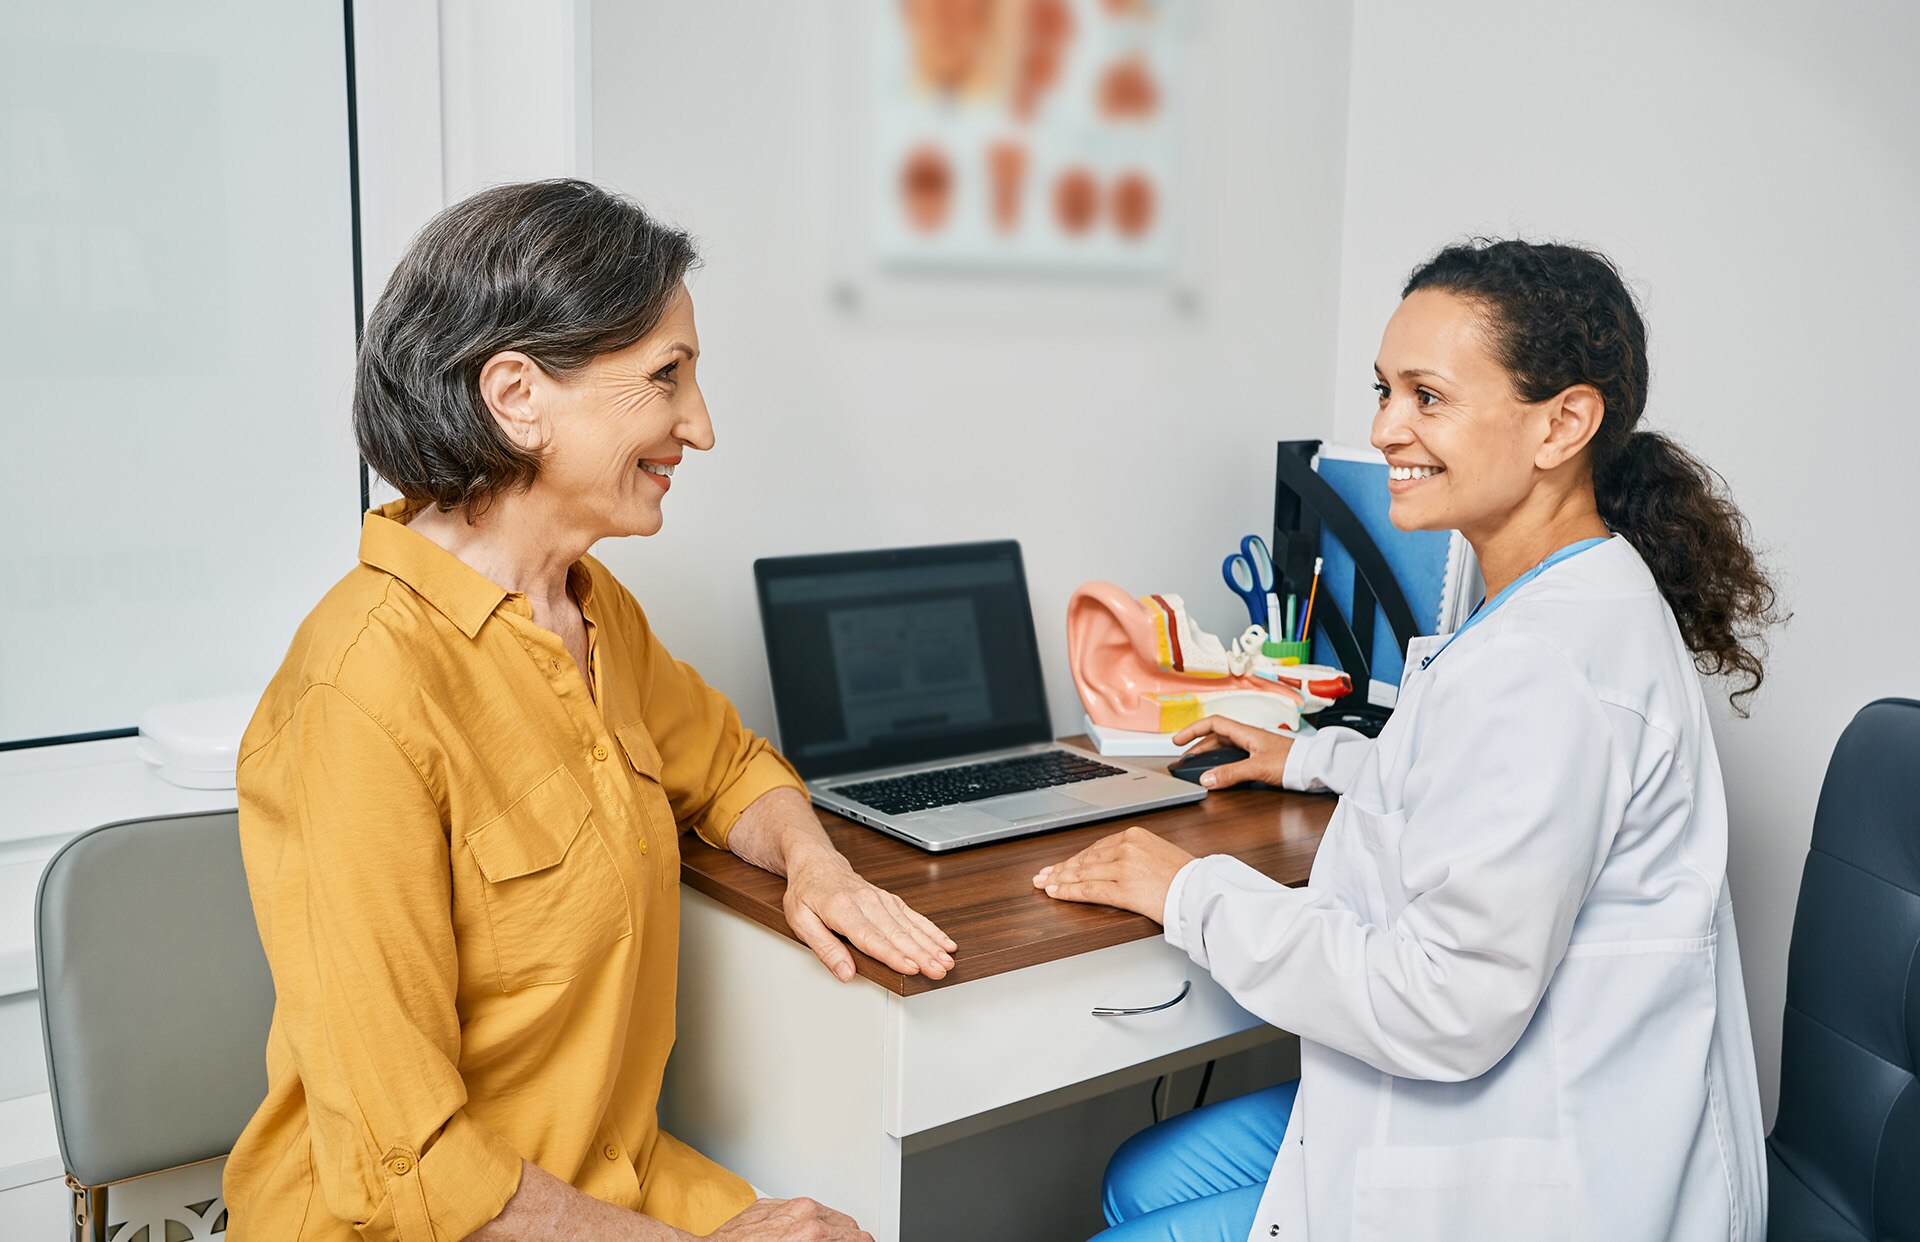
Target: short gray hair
(560, 270)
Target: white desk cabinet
(808, 1086)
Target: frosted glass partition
(177, 478)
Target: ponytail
(1561, 316)
(1677, 514)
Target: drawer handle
(1102, 1011)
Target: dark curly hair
(1560, 316)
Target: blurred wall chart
(1024, 135)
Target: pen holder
(1297, 652)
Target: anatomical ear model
(1143, 664)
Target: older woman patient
(461, 796)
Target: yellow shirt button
(399, 1166)
(599, 751)
(613, 1153)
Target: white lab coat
(1513, 969)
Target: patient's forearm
(777, 829)
(546, 1209)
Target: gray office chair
(155, 1000)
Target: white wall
(1114, 436)
(515, 91)
(1756, 171)
(457, 95)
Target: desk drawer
(958, 1051)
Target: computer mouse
(1188, 767)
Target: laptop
(907, 689)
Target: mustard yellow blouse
(465, 865)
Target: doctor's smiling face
(1465, 452)
(609, 434)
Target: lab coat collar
(1418, 649)
(1601, 567)
(1596, 569)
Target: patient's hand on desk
(780, 833)
(1266, 759)
(826, 895)
(1131, 870)
(790, 1220)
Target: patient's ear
(507, 382)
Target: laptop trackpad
(1018, 808)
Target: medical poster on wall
(1024, 135)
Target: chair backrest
(1849, 1120)
(154, 995)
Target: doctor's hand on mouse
(1266, 752)
(1132, 870)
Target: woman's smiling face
(611, 433)
(1461, 445)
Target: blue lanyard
(1487, 606)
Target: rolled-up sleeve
(347, 860)
(712, 766)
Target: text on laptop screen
(881, 659)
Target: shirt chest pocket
(661, 839)
(551, 890)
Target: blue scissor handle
(1242, 580)
(1254, 548)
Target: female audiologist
(1513, 970)
(460, 798)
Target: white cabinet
(33, 1195)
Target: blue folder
(1418, 560)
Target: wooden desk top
(983, 896)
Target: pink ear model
(1143, 664)
(1109, 646)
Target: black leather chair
(1843, 1160)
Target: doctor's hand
(1266, 759)
(1131, 870)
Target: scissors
(1249, 574)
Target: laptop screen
(905, 656)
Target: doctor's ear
(1573, 420)
(507, 382)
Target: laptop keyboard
(923, 791)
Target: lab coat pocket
(553, 895)
(1497, 1189)
(1366, 872)
(660, 834)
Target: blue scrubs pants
(1197, 1177)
